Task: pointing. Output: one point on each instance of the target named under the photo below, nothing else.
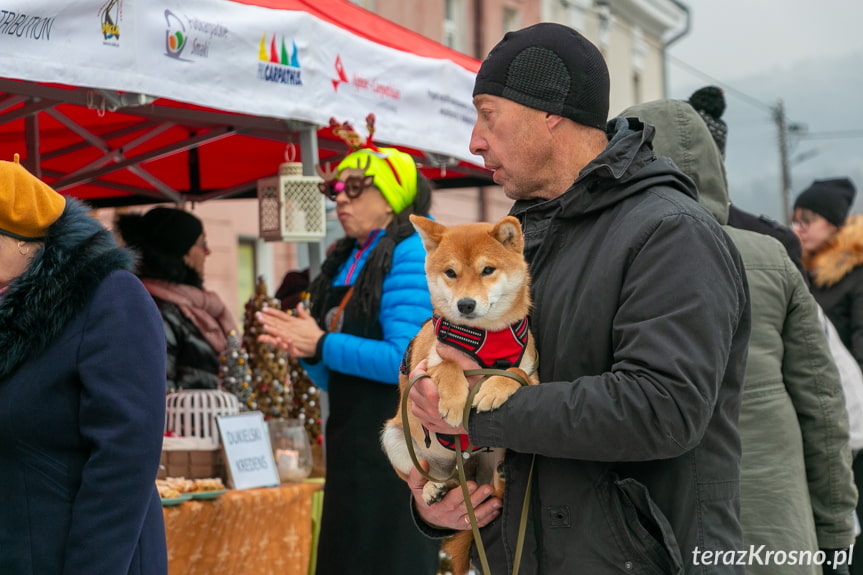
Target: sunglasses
(353, 186)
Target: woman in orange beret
(82, 395)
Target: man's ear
(552, 121)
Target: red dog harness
(491, 349)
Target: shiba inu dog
(480, 291)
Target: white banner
(240, 58)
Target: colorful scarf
(203, 308)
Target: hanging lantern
(290, 206)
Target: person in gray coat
(634, 424)
(797, 489)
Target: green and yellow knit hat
(395, 173)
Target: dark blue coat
(82, 408)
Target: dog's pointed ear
(508, 232)
(430, 231)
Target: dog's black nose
(466, 305)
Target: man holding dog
(641, 317)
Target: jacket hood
(840, 256)
(77, 254)
(682, 136)
(626, 167)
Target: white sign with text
(246, 441)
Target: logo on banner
(175, 35)
(340, 72)
(276, 64)
(110, 14)
(361, 83)
(193, 34)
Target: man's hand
(451, 511)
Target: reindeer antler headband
(394, 172)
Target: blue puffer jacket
(363, 492)
(405, 305)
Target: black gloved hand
(836, 562)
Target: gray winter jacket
(797, 490)
(642, 320)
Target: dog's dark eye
(488, 270)
(450, 273)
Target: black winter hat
(830, 199)
(709, 99)
(549, 67)
(709, 102)
(169, 231)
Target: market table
(259, 531)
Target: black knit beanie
(709, 99)
(549, 67)
(164, 230)
(830, 199)
(709, 102)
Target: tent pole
(31, 130)
(309, 155)
(194, 167)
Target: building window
(367, 4)
(639, 48)
(453, 24)
(605, 21)
(247, 272)
(570, 12)
(637, 95)
(511, 19)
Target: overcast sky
(807, 53)
(731, 39)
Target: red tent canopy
(110, 148)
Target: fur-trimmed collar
(840, 256)
(77, 255)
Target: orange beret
(28, 206)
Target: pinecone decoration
(235, 376)
(270, 367)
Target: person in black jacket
(833, 255)
(641, 317)
(172, 247)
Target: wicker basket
(192, 413)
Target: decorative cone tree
(307, 401)
(270, 368)
(235, 375)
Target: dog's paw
(451, 407)
(434, 492)
(494, 392)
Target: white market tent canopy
(134, 101)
